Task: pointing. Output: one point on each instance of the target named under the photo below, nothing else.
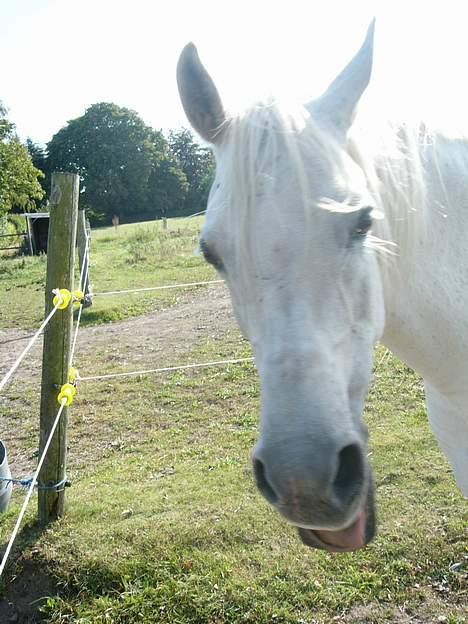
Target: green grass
(163, 520)
(133, 256)
(198, 544)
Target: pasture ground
(163, 521)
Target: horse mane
(253, 141)
(394, 158)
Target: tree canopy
(197, 163)
(19, 178)
(127, 168)
(38, 155)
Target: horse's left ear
(337, 106)
(199, 96)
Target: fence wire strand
(167, 369)
(83, 279)
(23, 354)
(17, 339)
(33, 481)
(85, 264)
(34, 337)
(31, 489)
(169, 286)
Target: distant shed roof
(35, 215)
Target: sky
(58, 57)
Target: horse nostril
(350, 476)
(262, 482)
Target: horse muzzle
(328, 496)
(353, 537)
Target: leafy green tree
(197, 163)
(19, 179)
(168, 187)
(120, 161)
(38, 155)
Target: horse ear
(199, 96)
(337, 105)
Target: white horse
(288, 226)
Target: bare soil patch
(25, 593)
(166, 332)
(162, 338)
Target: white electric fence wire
(89, 378)
(85, 262)
(135, 290)
(75, 335)
(21, 357)
(31, 488)
(165, 370)
(80, 309)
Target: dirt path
(155, 339)
(162, 338)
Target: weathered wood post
(57, 339)
(30, 239)
(83, 234)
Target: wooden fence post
(30, 241)
(57, 339)
(84, 234)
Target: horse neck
(420, 188)
(424, 199)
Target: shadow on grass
(27, 582)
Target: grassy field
(163, 522)
(133, 256)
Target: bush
(11, 226)
(16, 223)
(152, 244)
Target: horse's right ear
(199, 96)
(337, 105)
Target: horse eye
(364, 223)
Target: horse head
(287, 227)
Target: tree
(119, 160)
(168, 187)
(38, 156)
(197, 163)
(19, 179)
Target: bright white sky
(60, 56)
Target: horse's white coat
(426, 297)
(286, 225)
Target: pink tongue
(351, 538)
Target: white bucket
(5, 486)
